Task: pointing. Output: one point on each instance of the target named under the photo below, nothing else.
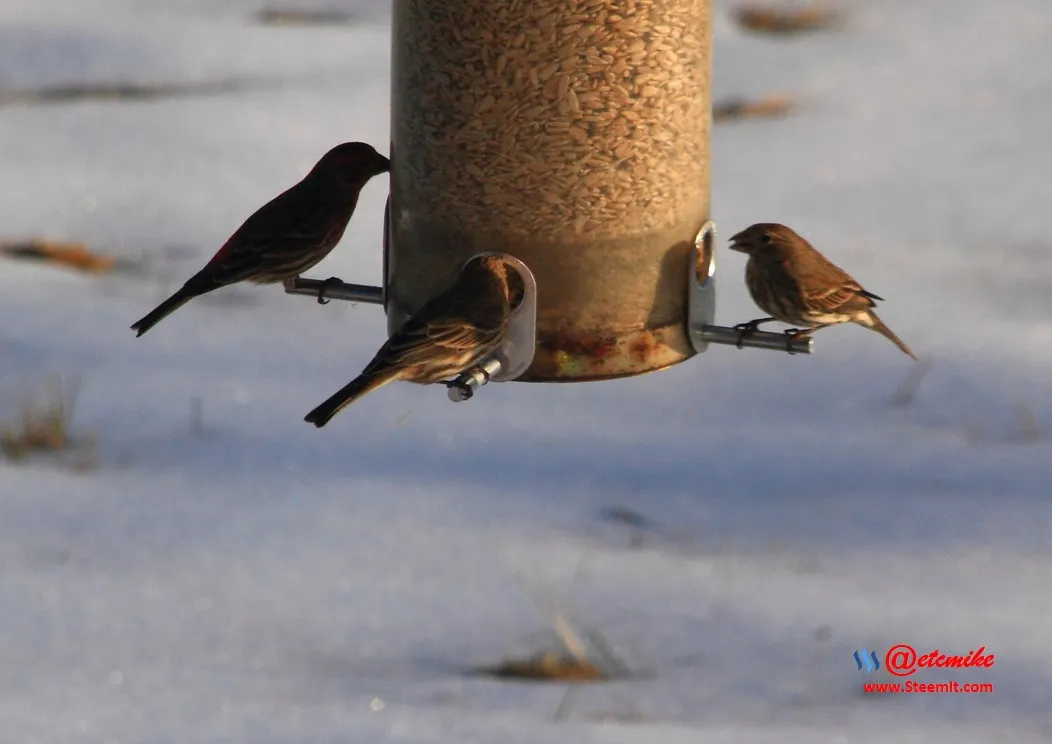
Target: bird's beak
(383, 165)
(739, 243)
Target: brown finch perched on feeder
(289, 234)
(450, 334)
(796, 284)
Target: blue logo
(870, 659)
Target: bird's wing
(456, 334)
(831, 289)
(451, 337)
(281, 231)
(842, 297)
(422, 342)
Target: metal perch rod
(339, 290)
(467, 383)
(334, 289)
(460, 389)
(758, 340)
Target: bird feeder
(572, 135)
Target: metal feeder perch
(573, 137)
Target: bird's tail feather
(163, 310)
(875, 323)
(352, 391)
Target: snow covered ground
(259, 581)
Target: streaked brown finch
(793, 283)
(450, 334)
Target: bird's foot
(793, 335)
(290, 283)
(332, 281)
(747, 329)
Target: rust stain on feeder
(561, 358)
(643, 347)
(596, 349)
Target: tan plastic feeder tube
(572, 134)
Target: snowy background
(248, 578)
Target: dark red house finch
(797, 285)
(450, 334)
(289, 234)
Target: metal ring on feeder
(571, 134)
(515, 353)
(701, 286)
(519, 344)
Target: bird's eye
(765, 239)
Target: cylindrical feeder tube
(572, 134)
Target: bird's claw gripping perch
(747, 329)
(792, 335)
(329, 283)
